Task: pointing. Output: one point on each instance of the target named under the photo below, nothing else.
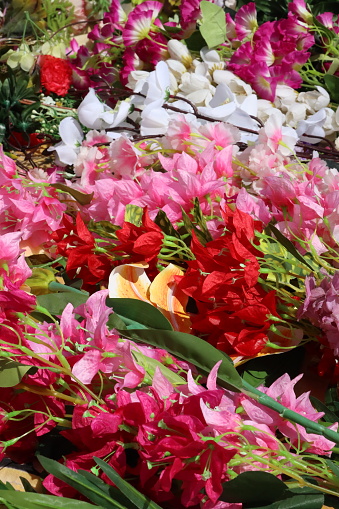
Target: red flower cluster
(55, 74)
(167, 442)
(140, 243)
(76, 242)
(233, 308)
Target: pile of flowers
(169, 266)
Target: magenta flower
(321, 307)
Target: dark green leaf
(139, 314)
(321, 407)
(332, 84)
(254, 488)
(321, 7)
(311, 501)
(288, 245)
(82, 198)
(137, 498)
(191, 227)
(195, 42)
(191, 349)
(165, 224)
(27, 486)
(110, 491)
(11, 372)
(55, 303)
(200, 220)
(331, 164)
(333, 466)
(23, 500)
(82, 484)
(331, 501)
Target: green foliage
(137, 314)
(213, 24)
(11, 372)
(269, 10)
(139, 501)
(59, 13)
(124, 496)
(14, 115)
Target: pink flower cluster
(28, 207)
(273, 55)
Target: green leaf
(133, 214)
(150, 366)
(311, 501)
(333, 466)
(321, 407)
(138, 314)
(332, 84)
(195, 42)
(110, 491)
(137, 498)
(55, 303)
(253, 487)
(213, 24)
(190, 349)
(288, 245)
(82, 198)
(201, 220)
(11, 372)
(321, 7)
(165, 224)
(23, 500)
(191, 227)
(80, 483)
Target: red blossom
(55, 74)
(233, 309)
(141, 243)
(76, 242)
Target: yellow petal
(169, 299)
(129, 281)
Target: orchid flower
(71, 136)
(94, 114)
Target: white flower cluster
(219, 93)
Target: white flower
(196, 89)
(212, 59)
(178, 51)
(94, 114)
(225, 107)
(71, 135)
(238, 86)
(266, 109)
(154, 120)
(285, 97)
(158, 84)
(315, 100)
(222, 105)
(295, 114)
(313, 125)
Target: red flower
(142, 243)
(233, 309)
(55, 74)
(77, 244)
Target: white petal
(70, 132)
(90, 110)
